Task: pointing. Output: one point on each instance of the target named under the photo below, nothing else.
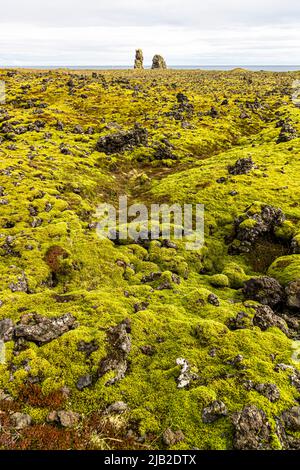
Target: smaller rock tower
(158, 62)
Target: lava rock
(185, 376)
(293, 294)
(121, 141)
(287, 132)
(241, 166)
(216, 410)
(84, 381)
(6, 329)
(88, 347)
(255, 225)
(291, 418)
(268, 390)
(252, 430)
(213, 300)
(119, 348)
(265, 318)
(171, 438)
(21, 420)
(41, 330)
(66, 419)
(118, 407)
(264, 290)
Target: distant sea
(267, 68)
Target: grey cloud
(97, 32)
(190, 13)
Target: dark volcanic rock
(265, 318)
(268, 390)
(163, 152)
(287, 132)
(293, 294)
(119, 348)
(171, 438)
(213, 300)
(216, 410)
(84, 382)
(291, 418)
(121, 141)
(40, 330)
(88, 347)
(239, 322)
(254, 225)
(251, 429)
(6, 329)
(241, 166)
(264, 290)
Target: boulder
(21, 420)
(241, 166)
(252, 430)
(41, 330)
(121, 141)
(6, 329)
(216, 410)
(265, 290)
(293, 294)
(119, 348)
(291, 418)
(265, 318)
(171, 438)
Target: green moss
(286, 269)
(236, 275)
(219, 280)
(52, 201)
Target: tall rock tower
(158, 62)
(139, 59)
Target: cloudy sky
(186, 32)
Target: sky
(185, 32)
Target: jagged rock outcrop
(171, 437)
(287, 131)
(252, 430)
(291, 418)
(241, 166)
(293, 294)
(119, 348)
(139, 59)
(120, 141)
(264, 290)
(158, 62)
(216, 410)
(265, 318)
(6, 329)
(41, 330)
(268, 390)
(255, 224)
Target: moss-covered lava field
(147, 345)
